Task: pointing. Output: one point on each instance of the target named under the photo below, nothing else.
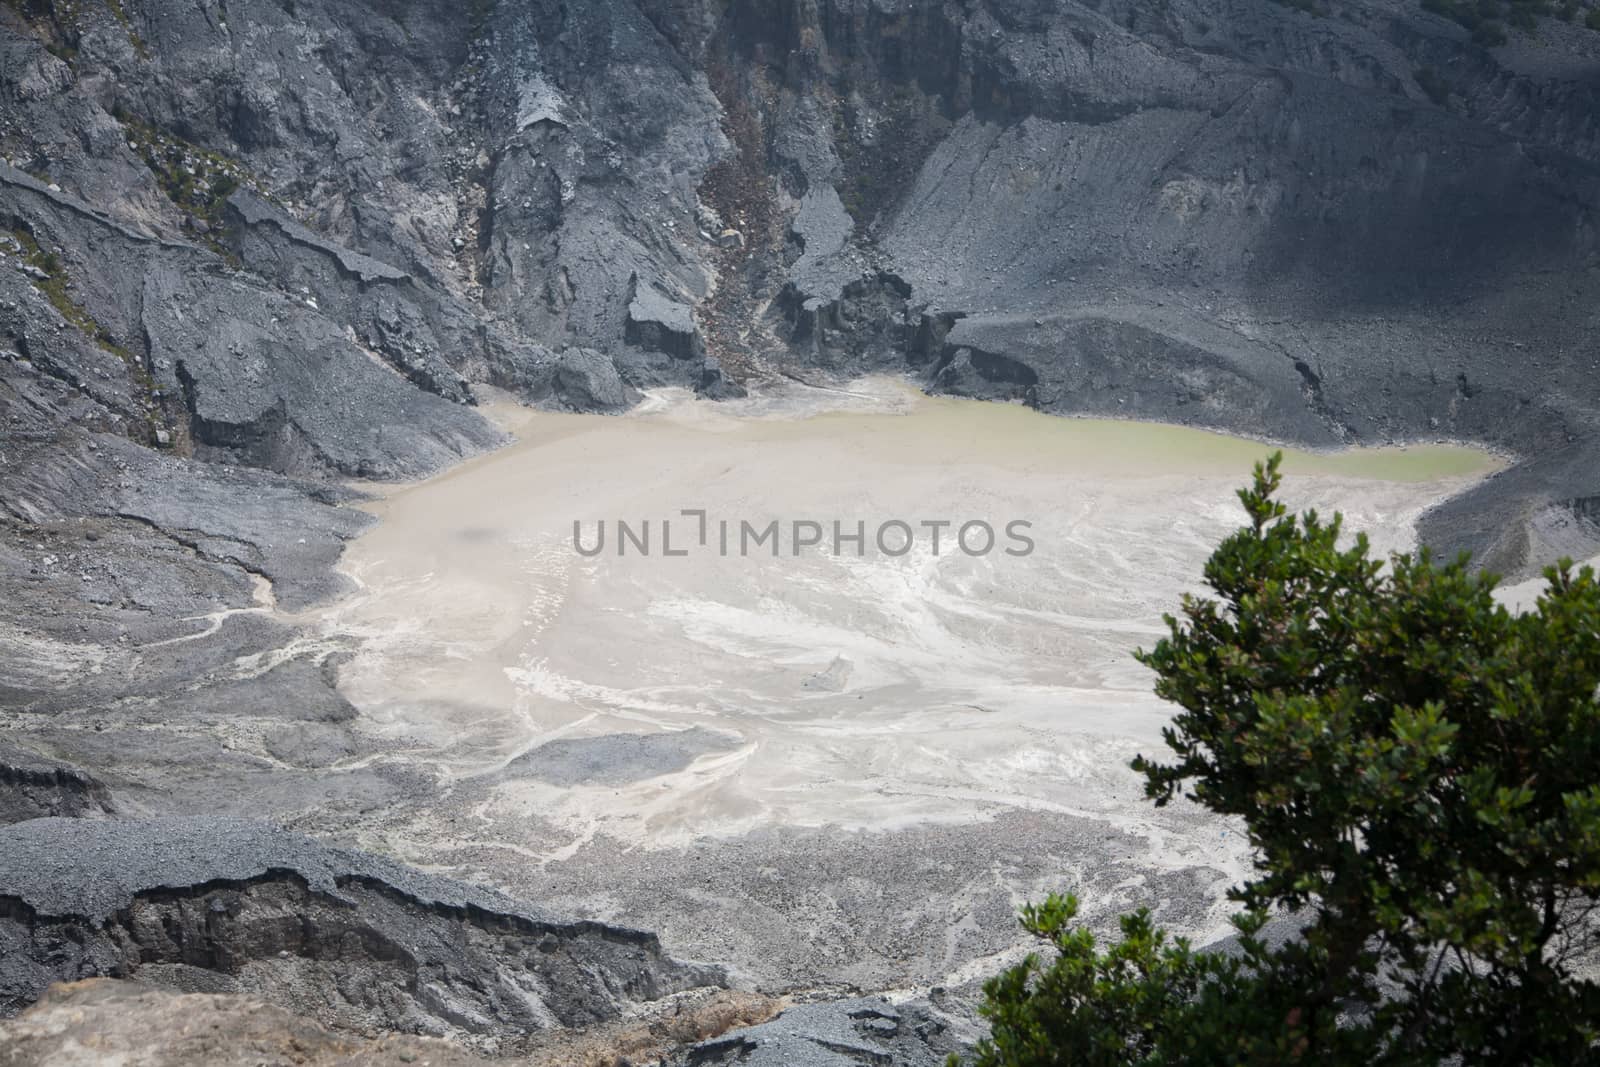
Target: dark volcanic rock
(833, 1034)
(585, 380)
(715, 384)
(1149, 366)
(1229, 214)
(658, 323)
(270, 387)
(230, 364)
(1527, 513)
(429, 335)
(34, 786)
(215, 905)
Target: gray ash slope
(253, 250)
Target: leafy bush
(1418, 770)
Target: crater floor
(820, 767)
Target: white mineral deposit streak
(866, 691)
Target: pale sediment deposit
(849, 742)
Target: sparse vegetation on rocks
(49, 275)
(198, 180)
(134, 39)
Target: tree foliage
(1418, 771)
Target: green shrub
(1418, 771)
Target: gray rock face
(659, 324)
(1135, 366)
(598, 134)
(833, 1034)
(1228, 214)
(33, 787)
(585, 380)
(226, 363)
(430, 336)
(822, 227)
(223, 906)
(1537, 510)
(269, 388)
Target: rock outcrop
(837, 1033)
(96, 1021)
(225, 906)
(34, 787)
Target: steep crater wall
(1227, 214)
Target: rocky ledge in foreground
(89, 1023)
(362, 960)
(218, 906)
(86, 1024)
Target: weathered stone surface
(219, 905)
(34, 786)
(100, 1021)
(834, 1034)
(658, 323)
(585, 380)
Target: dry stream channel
(818, 766)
